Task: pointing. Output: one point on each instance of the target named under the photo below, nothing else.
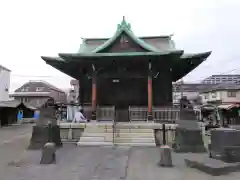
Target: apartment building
(4, 83)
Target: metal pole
(164, 134)
(50, 137)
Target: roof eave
(203, 55)
(85, 56)
(196, 59)
(47, 59)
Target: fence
(161, 115)
(166, 115)
(138, 113)
(106, 113)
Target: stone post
(166, 156)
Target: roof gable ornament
(124, 25)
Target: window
(205, 96)
(39, 89)
(231, 93)
(214, 95)
(25, 89)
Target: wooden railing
(167, 114)
(138, 113)
(160, 114)
(105, 113)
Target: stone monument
(49, 149)
(40, 133)
(188, 136)
(225, 145)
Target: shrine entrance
(122, 93)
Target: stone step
(134, 130)
(137, 144)
(135, 135)
(97, 129)
(143, 125)
(98, 134)
(134, 140)
(96, 139)
(94, 143)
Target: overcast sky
(32, 28)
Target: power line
(204, 77)
(57, 76)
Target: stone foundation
(212, 166)
(40, 137)
(188, 140)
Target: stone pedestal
(188, 136)
(166, 156)
(225, 145)
(158, 137)
(188, 140)
(40, 137)
(48, 153)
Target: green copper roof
(124, 54)
(125, 27)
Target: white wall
(4, 84)
(222, 96)
(177, 95)
(226, 99)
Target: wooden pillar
(94, 94)
(150, 103)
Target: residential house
(39, 93)
(4, 83)
(222, 78)
(9, 110)
(222, 94)
(190, 90)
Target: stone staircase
(134, 135)
(125, 135)
(97, 134)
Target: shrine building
(126, 70)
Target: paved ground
(89, 163)
(13, 142)
(104, 163)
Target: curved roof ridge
(125, 27)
